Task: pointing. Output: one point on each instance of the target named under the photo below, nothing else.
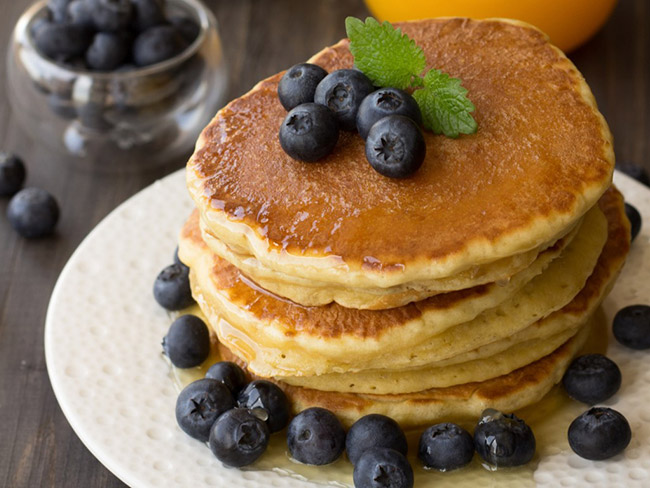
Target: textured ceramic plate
(102, 343)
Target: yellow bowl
(568, 23)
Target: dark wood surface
(37, 446)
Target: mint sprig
(391, 59)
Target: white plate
(102, 345)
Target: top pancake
(541, 157)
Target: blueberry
(111, 15)
(383, 102)
(634, 170)
(37, 24)
(186, 27)
(599, 433)
(229, 374)
(33, 212)
(299, 83)
(395, 146)
(445, 447)
(80, 13)
(61, 41)
(269, 397)
(12, 174)
(187, 343)
(632, 326)
(157, 44)
(172, 288)
(148, 13)
(374, 430)
(309, 132)
(343, 91)
(315, 436)
(503, 440)
(107, 51)
(592, 378)
(381, 467)
(238, 438)
(200, 404)
(634, 217)
(58, 9)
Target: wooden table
(37, 446)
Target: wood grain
(37, 446)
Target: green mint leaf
(384, 54)
(444, 105)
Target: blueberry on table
(309, 132)
(172, 287)
(238, 438)
(384, 102)
(634, 171)
(634, 217)
(381, 467)
(157, 44)
(503, 440)
(632, 326)
(445, 447)
(599, 433)
(107, 51)
(186, 27)
(592, 378)
(33, 212)
(187, 343)
(61, 41)
(200, 404)
(269, 397)
(315, 436)
(229, 374)
(298, 84)
(374, 430)
(148, 13)
(395, 146)
(12, 174)
(111, 15)
(342, 91)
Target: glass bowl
(122, 120)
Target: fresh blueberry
(229, 374)
(58, 9)
(374, 430)
(634, 217)
(112, 15)
(187, 343)
(309, 132)
(299, 83)
(381, 467)
(395, 146)
(200, 404)
(33, 212)
(632, 326)
(238, 438)
(148, 13)
(186, 27)
(172, 288)
(445, 447)
(61, 41)
(269, 397)
(343, 91)
(503, 440)
(107, 51)
(384, 102)
(599, 433)
(157, 44)
(315, 436)
(634, 170)
(80, 13)
(12, 174)
(592, 378)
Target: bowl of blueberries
(116, 85)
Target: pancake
(540, 159)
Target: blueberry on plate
(381, 467)
(315, 436)
(634, 217)
(172, 287)
(12, 174)
(61, 41)
(238, 437)
(599, 433)
(157, 44)
(200, 404)
(309, 132)
(111, 15)
(374, 430)
(299, 83)
(148, 13)
(634, 171)
(395, 146)
(33, 212)
(269, 397)
(592, 378)
(503, 440)
(384, 102)
(229, 374)
(342, 91)
(107, 51)
(445, 447)
(632, 326)
(187, 343)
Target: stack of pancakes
(468, 285)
